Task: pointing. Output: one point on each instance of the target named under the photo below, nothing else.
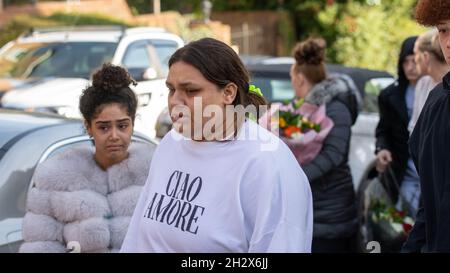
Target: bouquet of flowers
(302, 126)
(391, 226)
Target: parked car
(27, 139)
(46, 70)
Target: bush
(369, 36)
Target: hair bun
(111, 78)
(310, 51)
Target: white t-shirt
(223, 196)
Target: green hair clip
(256, 90)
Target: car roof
(86, 34)
(16, 123)
(70, 36)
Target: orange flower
(290, 130)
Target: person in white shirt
(213, 190)
(431, 62)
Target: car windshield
(69, 59)
(279, 89)
(275, 89)
(149, 54)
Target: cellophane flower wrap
(301, 125)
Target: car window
(145, 54)
(137, 59)
(164, 49)
(70, 59)
(372, 90)
(137, 56)
(275, 89)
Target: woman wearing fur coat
(84, 198)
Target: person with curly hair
(84, 196)
(430, 147)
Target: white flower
(408, 220)
(296, 135)
(397, 227)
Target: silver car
(25, 140)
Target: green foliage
(368, 35)
(286, 30)
(85, 19)
(362, 33)
(146, 6)
(140, 6)
(245, 5)
(22, 23)
(192, 34)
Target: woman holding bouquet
(335, 219)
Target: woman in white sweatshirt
(218, 181)
(82, 198)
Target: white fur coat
(74, 200)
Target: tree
(369, 35)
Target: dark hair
(310, 59)
(432, 12)
(110, 84)
(221, 65)
(406, 50)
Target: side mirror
(149, 74)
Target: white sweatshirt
(223, 196)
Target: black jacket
(430, 150)
(329, 173)
(392, 129)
